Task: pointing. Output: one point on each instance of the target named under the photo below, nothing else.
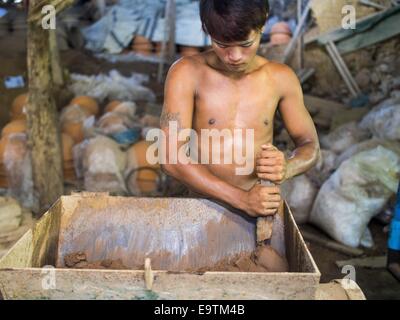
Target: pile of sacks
(356, 175)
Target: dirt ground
(376, 283)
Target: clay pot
(17, 108)
(74, 130)
(69, 173)
(72, 118)
(15, 126)
(112, 105)
(144, 180)
(113, 123)
(157, 48)
(189, 51)
(142, 45)
(3, 142)
(67, 145)
(74, 113)
(280, 33)
(127, 109)
(3, 181)
(88, 103)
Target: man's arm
(299, 124)
(179, 107)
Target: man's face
(237, 56)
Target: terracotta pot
(74, 130)
(146, 180)
(112, 105)
(280, 33)
(67, 145)
(3, 142)
(87, 103)
(17, 108)
(15, 126)
(142, 45)
(69, 174)
(189, 51)
(3, 182)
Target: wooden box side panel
(38, 247)
(45, 237)
(20, 255)
(298, 255)
(130, 285)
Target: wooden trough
(178, 235)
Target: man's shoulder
(188, 65)
(278, 70)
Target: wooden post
(42, 117)
(168, 51)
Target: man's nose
(234, 55)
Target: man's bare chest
(221, 103)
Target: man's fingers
(273, 198)
(271, 190)
(268, 162)
(273, 177)
(269, 212)
(271, 204)
(269, 154)
(268, 146)
(269, 169)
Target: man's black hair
(233, 20)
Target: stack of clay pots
(16, 125)
(74, 115)
(118, 117)
(280, 33)
(111, 106)
(189, 51)
(18, 111)
(68, 159)
(142, 45)
(142, 176)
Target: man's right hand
(262, 201)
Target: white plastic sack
(344, 137)
(324, 167)
(355, 193)
(113, 123)
(113, 86)
(366, 145)
(300, 193)
(383, 122)
(103, 166)
(18, 166)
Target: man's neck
(214, 62)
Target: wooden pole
(301, 37)
(42, 116)
(168, 51)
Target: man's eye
(221, 46)
(247, 45)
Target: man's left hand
(271, 164)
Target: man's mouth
(236, 66)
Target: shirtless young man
(230, 87)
